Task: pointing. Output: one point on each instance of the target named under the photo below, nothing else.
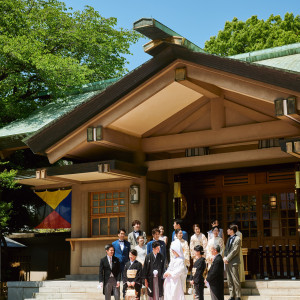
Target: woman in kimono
(186, 255)
(173, 289)
(197, 278)
(132, 276)
(215, 240)
(197, 239)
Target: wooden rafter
(167, 125)
(206, 138)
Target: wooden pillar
(217, 113)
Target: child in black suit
(197, 278)
(132, 276)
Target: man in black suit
(153, 271)
(215, 276)
(110, 274)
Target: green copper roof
(12, 135)
(285, 57)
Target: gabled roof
(169, 54)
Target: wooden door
(279, 217)
(265, 218)
(243, 208)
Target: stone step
(190, 297)
(251, 290)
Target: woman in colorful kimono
(186, 254)
(173, 289)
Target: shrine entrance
(262, 203)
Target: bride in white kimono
(173, 289)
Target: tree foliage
(46, 48)
(7, 181)
(254, 34)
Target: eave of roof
(14, 134)
(119, 169)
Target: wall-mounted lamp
(134, 194)
(273, 201)
(41, 174)
(103, 168)
(94, 134)
(284, 107)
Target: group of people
(144, 269)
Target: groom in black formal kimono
(153, 271)
(215, 276)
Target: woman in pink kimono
(173, 289)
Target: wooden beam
(167, 125)
(116, 139)
(248, 112)
(206, 89)
(206, 138)
(56, 153)
(61, 179)
(223, 160)
(238, 84)
(217, 113)
(190, 119)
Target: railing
(278, 263)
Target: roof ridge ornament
(161, 34)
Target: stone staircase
(251, 290)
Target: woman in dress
(162, 237)
(197, 239)
(215, 223)
(214, 240)
(186, 254)
(173, 289)
(141, 254)
(141, 249)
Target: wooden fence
(281, 262)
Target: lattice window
(242, 210)
(107, 212)
(279, 214)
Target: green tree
(254, 34)
(7, 181)
(46, 48)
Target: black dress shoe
(238, 298)
(232, 298)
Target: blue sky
(196, 20)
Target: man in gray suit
(132, 236)
(232, 261)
